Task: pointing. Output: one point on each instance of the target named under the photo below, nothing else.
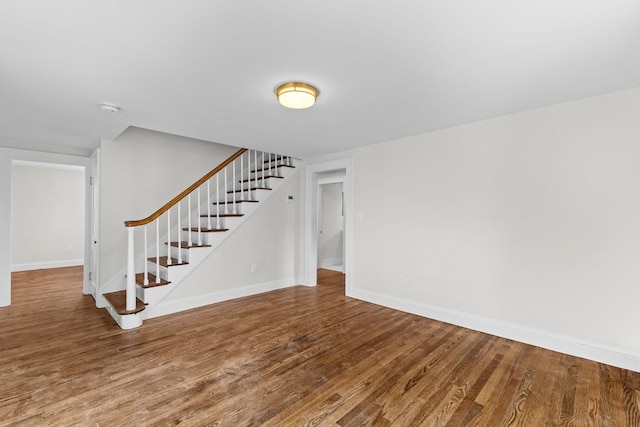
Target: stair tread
(273, 167)
(248, 189)
(205, 230)
(152, 280)
(163, 261)
(226, 215)
(273, 160)
(261, 178)
(118, 301)
(230, 202)
(185, 245)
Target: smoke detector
(110, 108)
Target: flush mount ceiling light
(109, 108)
(296, 95)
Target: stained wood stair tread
(205, 230)
(152, 280)
(118, 301)
(248, 189)
(164, 261)
(226, 215)
(261, 178)
(230, 202)
(273, 167)
(273, 160)
(186, 245)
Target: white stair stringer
(152, 296)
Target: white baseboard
(48, 264)
(169, 307)
(329, 262)
(614, 356)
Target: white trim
(92, 251)
(573, 346)
(311, 218)
(331, 180)
(163, 309)
(48, 264)
(7, 157)
(48, 165)
(328, 262)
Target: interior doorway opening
(47, 218)
(317, 175)
(331, 226)
(9, 156)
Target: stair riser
(225, 222)
(259, 182)
(229, 208)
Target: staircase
(184, 232)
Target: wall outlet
(254, 268)
(402, 280)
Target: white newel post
(131, 271)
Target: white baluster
(146, 266)
(233, 184)
(131, 271)
(208, 205)
(226, 207)
(199, 221)
(190, 239)
(218, 199)
(263, 166)
(158, 250)
(179, 236)
(241, 183)
(169, 260)
(256, 174)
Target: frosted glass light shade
(296, 95)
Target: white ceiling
(385, 69)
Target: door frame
(312, 187)
(7, 157)
(92, 264)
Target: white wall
(524, 226)
(140, 171)
(47, 215)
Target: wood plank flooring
(293, 357)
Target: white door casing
(312, 186)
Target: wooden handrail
(198, 183)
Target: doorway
(318, 174)
(47, 216)
(331, 226)
(9, 156)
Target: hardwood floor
(293, 357)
